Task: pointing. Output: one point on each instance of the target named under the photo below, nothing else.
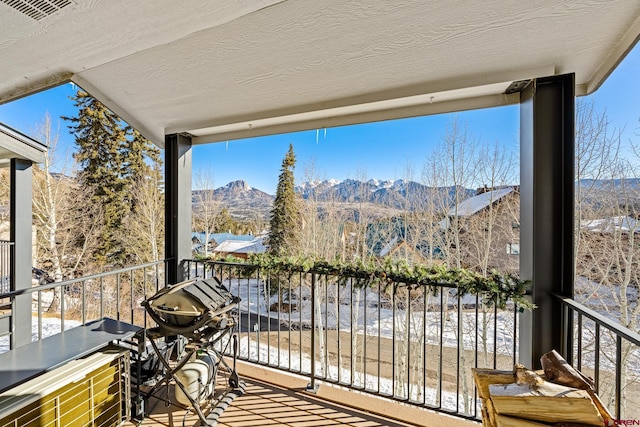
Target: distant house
(215, 239)
(398, 249)
(240, 248)
(487, 228)
(620, 224)
(397, 240)
(476, 204)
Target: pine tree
(112, 159)
(285, 214)
(223, 222)
(139, 158)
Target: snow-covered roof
(476, 203)
(624, 224)
(222, 237)
(389, 246)
(255, 246)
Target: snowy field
(358, 311)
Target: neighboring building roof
(475, 204)
(255, 246)
(386, 249)
(16, 145)
(624, 224)
(222, 237)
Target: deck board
(269, 405)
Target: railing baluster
(495, 337)
(476, 350)
(515, 336)
(269, 320)
(379, 335)
(579, 342)
(408, 341)
(101, 297)
(353, 346)
(131, 294)
(259, 319)
(618, 384)
(62, 307)
(39, 315)
(117, 297)
(144, 294)
(248, 312)
(279, 311)
(300, 346)
(289, 313)
(365, 340)
(597, 357)
(394, 347)
(440, 344)
(458, 353)
(424, 345)
(84, 303)
(312, 375)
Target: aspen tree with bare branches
(608, 242)
(66, 226)
(206, 206)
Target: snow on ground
(352, 313)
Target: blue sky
(376, 150)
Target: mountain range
(381, 197)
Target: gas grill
(195, 327)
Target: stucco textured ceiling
(226, 69)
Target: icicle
(325, 133)
(227, 146)
(317, 133)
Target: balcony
(319, 341)
(275, 75)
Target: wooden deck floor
(267, 405)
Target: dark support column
(21, 257)
(177, 205)
(547, 139)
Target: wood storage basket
(558, 396)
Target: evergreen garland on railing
(495, 288)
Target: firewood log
(484, 377)
(559, 371)
(526, 376)
(546, 403)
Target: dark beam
(177, 205)
(547, 140)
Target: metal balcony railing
(609, 353)
(116, 294)
(6, 248)
(397, 341)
